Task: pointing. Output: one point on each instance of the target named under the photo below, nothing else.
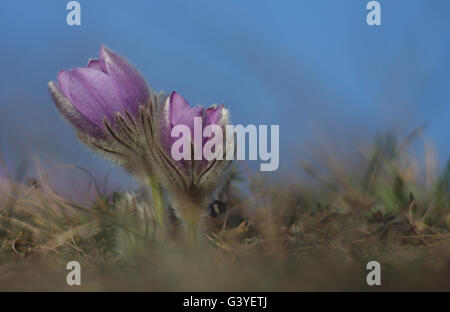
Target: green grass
(315, 233)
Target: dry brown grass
(292, 236)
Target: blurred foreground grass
(293, 236)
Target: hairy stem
(157, 201)
(193, 230)
(190, 209)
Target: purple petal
(213, 114)
(187, 117)
(63, 82)
(97, 64)
(181, 113)
(178, 105)
(92, 92)
(130, 85)
(72, 115)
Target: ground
(314, 233)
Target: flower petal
(130, 85)
(97, 64)
(73, 115)
(63, 82)
(92, 92)
(213, 114)
(187, 117)
(178, 105)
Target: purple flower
(109, 105)
(190, 182)
(182, 113)
(177, 111)
(85, 96)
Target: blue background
(313, 67)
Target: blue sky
(313, 67)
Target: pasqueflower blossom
(85, 96)
(189, 181)
(109, 105)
